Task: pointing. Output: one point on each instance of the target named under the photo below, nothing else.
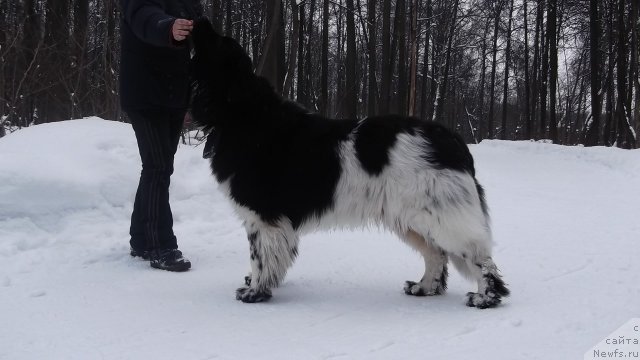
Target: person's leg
(139, 217)
(170, 138)
(157, 134)
(167, 256)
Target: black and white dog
(288, 172)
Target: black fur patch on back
(375, 136)
(448, 150)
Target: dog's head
(222, 76)
(220, 58)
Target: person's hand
(181, 29)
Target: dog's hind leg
(434, 280)
(482, 269)
(456, 219)
(273, 250)
(470, 253)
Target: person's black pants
(157, 132)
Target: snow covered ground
(567, 242)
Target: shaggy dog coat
(288, 172)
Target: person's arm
(149, 22)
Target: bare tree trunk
(111, 108)
(270, 56)
(570, 119)
(80, 35)
(339, 61)
(385, 86)
(625, 138)
(528, 123)
(324, 107)
(609, 129)
(553, 67)
(216, 15)
(400, 39)
(413, 56)
(496, 26)
(537, 65)
(452, 97)
(351, 103)
(282, 47)
(544, 66)
(228, 27)
(28, 56)
(3, 87)
(426, 82)
(308, 83)
(482, 126)
(444, 81)
(435, 73)
(55, 69)
(634, 76)
(575, 136)
(371, 19)
(293, 48)
(593, 128)
(301, 96)
(505, 98)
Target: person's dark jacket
(154, 68)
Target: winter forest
(563, 70)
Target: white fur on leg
(434, 280)
(491, 288)
(273, 251)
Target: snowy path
(567, 242)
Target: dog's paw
(416, 289)
(413, 288)
(251, 295)
(482, 301)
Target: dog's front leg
(259, 292)
(273, 250)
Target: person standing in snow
(154, 93)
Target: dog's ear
(204, 34)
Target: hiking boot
(144, 254)
(170, 260)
